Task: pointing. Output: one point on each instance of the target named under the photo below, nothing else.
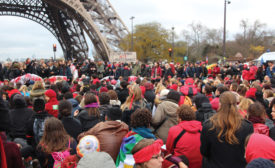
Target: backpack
(59, 157)
(38, 128)
(189, 90)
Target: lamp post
(224, 26)
(173, 42)
(132, 36)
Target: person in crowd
(203, 106)
(10, 153)
(156, 71)
(37, 91)
(270, 70)
(52, 103)
(147, 154)
(126, 72)
(166, 115)
(110, 132)
(113, 98)
(71, 124)
(233, 88)
(243, 106)
(207, 90)
(268, 95)
(35, 125)
(24, 91)
(19, 117)
(122, 92)
(90, 116)
(75, 105)
(215, 102)
(140, 122)
(255, 149)
(64, 70)
(167, 71)
(224, 134)
(55, 144)
(133, 102)
(257, 115)
(149, 94)
(104, 100)
(184, 138)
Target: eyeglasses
(161, 155)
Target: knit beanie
(103, 89)
(38, 105)
(87, 144)
(96, 160)
(261, 163)
(50, 93)
(251, 93)
(173, 95)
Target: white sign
(123, 57)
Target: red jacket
(252, 72)
(215, 103)
(216, 71)
(260, 146)
(189, 143)
(246, 75)
(159, 72)
(52, 105)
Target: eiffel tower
(69, 20)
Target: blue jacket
(269, 73)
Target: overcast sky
(22, 38)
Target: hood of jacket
(37, 93)
(191, 126)
(115, 102)
(170, 107)
(255, 148)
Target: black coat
(103, 109)
(19, 118)
(72, 126)
(29, 131)
(4, 116)
(168, 72)
(218, 154)
(87, 121)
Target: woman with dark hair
(257, 115)
(90, 116)
(156, 70)
(71, 124)
(55, 144)
(223, 136)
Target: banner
(123, 57)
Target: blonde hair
(38, 85)
(23, 88)
(245, 103)
(134, 93)
(159, 88)
(227, 120)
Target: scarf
(144, 132)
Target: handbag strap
(177, 139)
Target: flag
(125, 157)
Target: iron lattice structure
(67, 20)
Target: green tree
(150, 42)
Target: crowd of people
(156, 115)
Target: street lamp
(173, 43)
(224, 26)
(132, 37)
